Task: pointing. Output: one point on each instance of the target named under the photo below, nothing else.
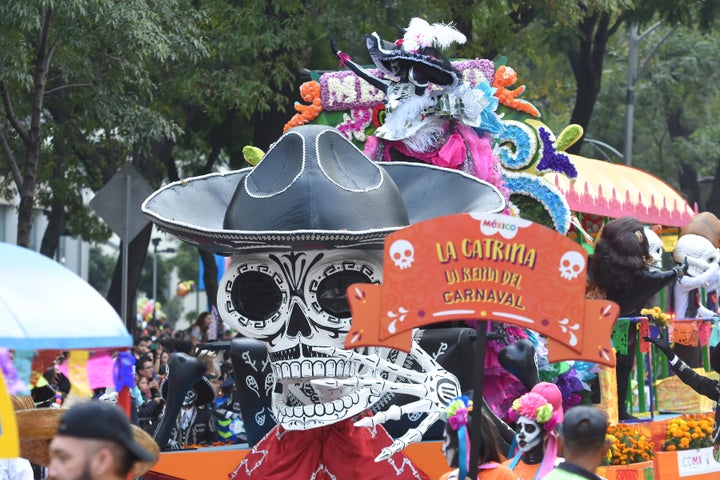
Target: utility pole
(633, 74)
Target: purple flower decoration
(569, 384)
(552, 160)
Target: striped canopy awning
(613, 190)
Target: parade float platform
(218, 462)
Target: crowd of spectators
(151, 349)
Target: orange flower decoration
(310, 92)
(629, 446)
(688, 432)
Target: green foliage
(100, 269)
(102, 60)
(675, 104)
(531, 209)
(186, 261)
(177, 86)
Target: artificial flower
(688, 432)
(518, 145)
(551, 160)
(629, 445)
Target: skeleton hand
(435, 387)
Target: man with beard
(94, 441)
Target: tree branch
(12, 118)
(12, 162)
(72, 85)
(42, 62)
(618, 23)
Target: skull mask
(528, 434)
(697, 251)
(294, 301)
(656, 247)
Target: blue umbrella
(43, 305)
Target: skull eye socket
(332, 292)
(255, 295)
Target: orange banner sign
(482, 267)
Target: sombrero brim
(204, 389)
(193, 209)
(37, 427)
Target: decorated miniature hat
(419, 48)
(313, 189)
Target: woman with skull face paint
(456, 440)
(536, 414)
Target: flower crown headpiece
(456, 414)
(537, 408)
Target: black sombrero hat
(203, 388)
(417, 54)
(428, 62)
(313, 189)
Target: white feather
(426, 138)
(421, 34)
(445, 35)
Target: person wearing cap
(701, 384)
(94, 440)
(584, 444)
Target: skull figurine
(571, 265)
(655, 246)
(294, 301)
(402, 254)
(698, 252)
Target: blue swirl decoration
(545, 193)
(518, 145)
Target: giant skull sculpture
(302, 226)
(295, 301)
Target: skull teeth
(298, 351)
(317, 415)
(305, 369)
